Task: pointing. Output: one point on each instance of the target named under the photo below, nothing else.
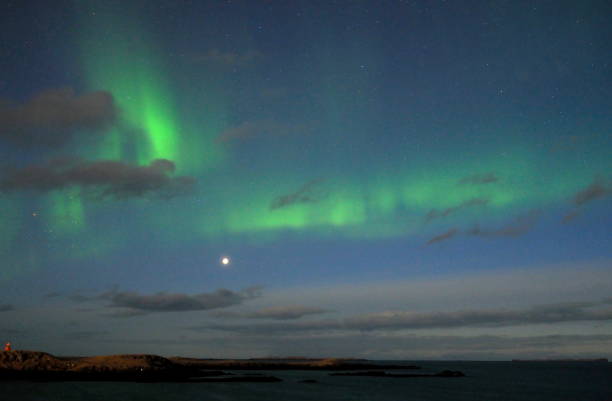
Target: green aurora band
(119, 56)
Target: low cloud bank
(291, 312)
(401, 320)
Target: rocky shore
(41, 366)
(34, 365)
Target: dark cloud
(308, 193)
(598, 189)
(400, 320)
(104, 179)
(52, 295)
(258, 129)
(444, 236)
(519, 226)
(6, 307)
(479, 179)
(570, 216)
(52, 117)
(172, 302)
(277, 313)
(434, 213)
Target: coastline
(41, 366)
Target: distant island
(41, 366)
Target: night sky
(378, 179)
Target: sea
(486, 381)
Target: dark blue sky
(373, 171)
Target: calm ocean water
(487, 381)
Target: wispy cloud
(444, 236)
(435, 213)
(520, 225)
(307, 193)
(290, 312)
(517, 227)
(598, 189)
(571, 312)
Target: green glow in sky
(66, 211)
(391, 204)
(9, 226)
(120, 56)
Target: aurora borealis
(388, 178)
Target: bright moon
(225, 261)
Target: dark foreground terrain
(41, 366)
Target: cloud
(229, 59)
(307, 193)
(570, 216)
(286, 312)
(596, 190)
(519, 226)
(556, 313)
(277, 313)
(381, 346)
(486, 178)
(6, 307)
(52, 117)
(106, 179)
(257, 129)
(403, 320)
(177, 302)
(434, 213)
(444, 236)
